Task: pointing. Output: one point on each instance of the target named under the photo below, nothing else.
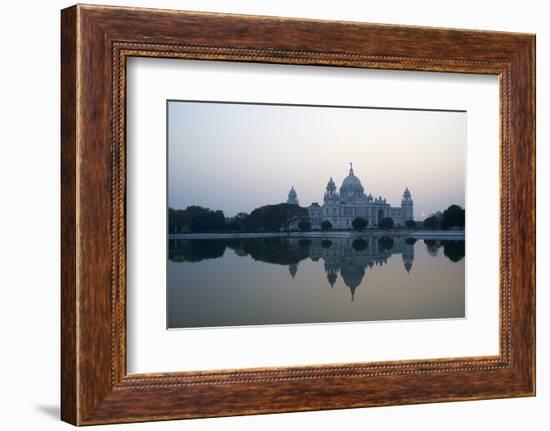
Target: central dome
(351, 183)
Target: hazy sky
(237, 157)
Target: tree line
(274, 218)
(453, 217)
(268, 218)
(284, 252)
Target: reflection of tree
(411, 241)
(195, 250)
(385, 243)
(304, 243)
(275, 250)
(326, 243)
(432, 246)
(350, 257)
(454, 250)
(359, 244)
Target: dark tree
(237, 223)
(179, 220)
(386, 223)
(411, 224)
(431, 223)
(208, 221)
(232, 225)
(326, 225)
(453, 216)
(272, 218)
(359, 223)
(410, 241)
(195, 219)
(359, 244)
(304, 225)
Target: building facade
(341, 207)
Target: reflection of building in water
(351, 257)
(348, 257)
(408, 257)
(293, 269)
(341, 208)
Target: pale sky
(237, 157)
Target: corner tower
(292, 197)
(407, 205)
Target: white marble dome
(351, 183)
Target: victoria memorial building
(341, 207)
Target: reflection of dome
(293, 269)
(351, 183)
(331, 277)
(352, 273)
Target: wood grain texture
(96, 41)
(69, 397)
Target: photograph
(282, 214)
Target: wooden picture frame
(95, 43)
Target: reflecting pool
(288, 280)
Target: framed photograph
(264, 214)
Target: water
(261, 281)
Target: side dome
(331, 188)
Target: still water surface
(261, 281)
